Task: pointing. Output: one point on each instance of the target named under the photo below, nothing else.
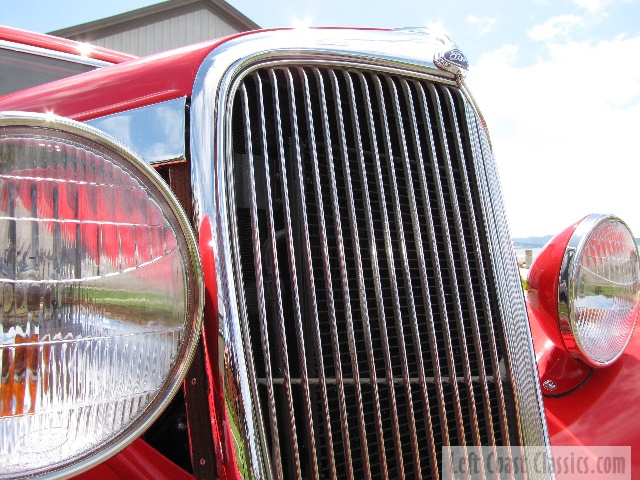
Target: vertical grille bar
(257, 259)
(451, 263)
(344, 424)
(422, 265)
(374, 255)
(391, 266)
(495, 364)
(405, 267)
(360, 274)
(276, 270)
(432, 155)
(345, 280)
(469, 287)
(415, 221)
(483, 187)
(302, 355)
(493, 214)
(310, 277)
(236, 304)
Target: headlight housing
(599, 290)
(101, 298)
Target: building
(162, 26)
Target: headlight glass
(100, 292)
(604, 288)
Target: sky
(558, 82)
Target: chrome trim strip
(262, 310)
(310, 277)
(55, 54)
(302, 355)
(392, 48)
(164, 143)
(241, 333)
(360, 274)
(276, 268)
(335, 203)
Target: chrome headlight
(101, 298)
(599, 290)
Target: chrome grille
(363, 272)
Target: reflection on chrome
(162, 143)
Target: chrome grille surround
(219, 80)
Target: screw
(202, 462)
(193, 381)
(549, 385)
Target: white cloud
(591, 6)
(485, 24)
(559, 25)
(438, 28)
(564, 133)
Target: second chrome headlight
(599, 290)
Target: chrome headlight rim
(568, 284)
(40, 124)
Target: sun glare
(85, 49)
(304, 22)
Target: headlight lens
(100, 295)
(599, 290)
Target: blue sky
(558, 82)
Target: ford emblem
(452, 60)
(456, 57)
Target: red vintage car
(284, 254)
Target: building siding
(147, 36)
(161, 30)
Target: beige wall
(161, 31)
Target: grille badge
(452, 60)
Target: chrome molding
(45, 52)
(163, 143)
(410, 53)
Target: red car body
(587, 406)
